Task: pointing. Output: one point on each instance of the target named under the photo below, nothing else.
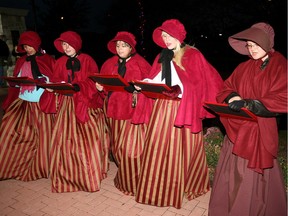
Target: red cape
(87, 97)
(45, 64)
(119, 103)
(257, 142)
(201, 82)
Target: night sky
(208, 24)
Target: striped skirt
(174, 160)
(77, 155)
(127, 142)
(25, 142)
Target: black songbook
(224, 111)
(111, 82)
(152, 90)
(20, 80)
(61, 88)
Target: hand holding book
(61, 88)
(223, 110)
(236, 105)
(255, 106)
(152, 90)
(110, 82)
(174, 92)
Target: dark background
(208, 24)
(97, 21)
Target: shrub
(213, 139)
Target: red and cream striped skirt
(25, 142)
(77, 155)
(174, 160)
(127, 141)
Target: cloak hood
(122, 36)
(260, 33)
(173, 27)
(72, 38)
(30, 38)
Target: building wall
(12, 24)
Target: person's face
(69, 50)
(29, 49)
(171, 42)
(255, 50)
(123, 49)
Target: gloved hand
(76, 87)
(236, 105)
(174, 92)
(258, 108)
(231, 95)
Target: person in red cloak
(79, 131)
(127, 111)
(26, 130)
(248, 180)
(174, 161)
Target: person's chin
(171, 47)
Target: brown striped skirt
(174, 160)
(25, 142)
(77, 154)
(127, 141)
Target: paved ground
(35, 198)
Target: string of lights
(141, 27)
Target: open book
(20, 81)
(61, 88)
(224, 111)
(152, 90)
(111, 82)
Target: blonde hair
(178, 54)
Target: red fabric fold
(257, 142)
(85, 97)
(120, 103)
(45, 63)
(202, 83)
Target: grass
(213, 139)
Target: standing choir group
(157, 144)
